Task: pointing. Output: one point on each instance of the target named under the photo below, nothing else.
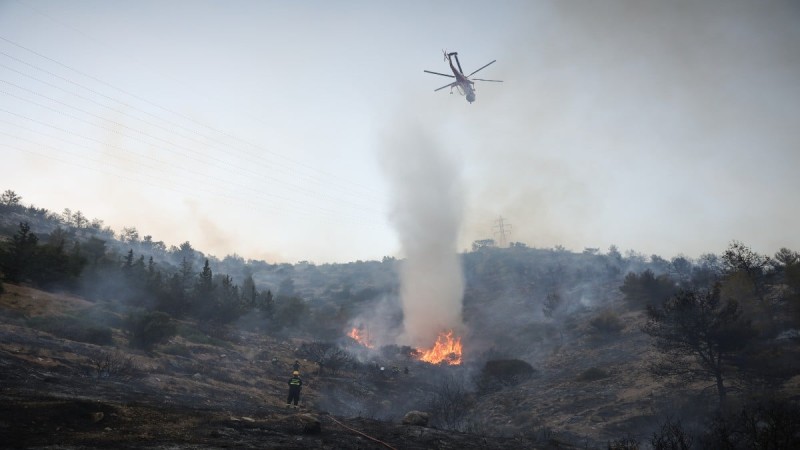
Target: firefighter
(295, 385)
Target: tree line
(754, 295)
(731, 320)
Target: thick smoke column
(427, 205)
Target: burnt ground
(60, 393)
(53, 402)
(223, 391)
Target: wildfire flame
(355, 333)
(447, 350)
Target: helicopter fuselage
(465, 86)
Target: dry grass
(34, 303)
(196, 374)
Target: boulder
(418, 418)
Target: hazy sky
(257, 127)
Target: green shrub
(646, 288)
(149, 328)
(73, 328)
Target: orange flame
(447, 350)
(355, 333)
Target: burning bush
(361, 336)
(446, 350)
(393, 351)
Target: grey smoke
(668, 106)
(427, 207)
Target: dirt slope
(55, 393)
(223, 390)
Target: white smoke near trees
(427, 207)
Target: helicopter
(463, 83)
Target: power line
(200, 185)
(285, 171)
(203, 178)
(190, 191)
(153, 177)
(363, 190)
(502, 229)
(169, 144)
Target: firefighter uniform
(295, 384)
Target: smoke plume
(427, 203)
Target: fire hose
(362, 434)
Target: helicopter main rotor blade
(437, 73)
(446, 85)
(487, 65)
(481, 79)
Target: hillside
(557, 348)
(205, 391)
(225, 392)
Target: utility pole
(502, 229)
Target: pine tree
(249, 292)
(204, 299)
(698, 335)
(18, 263)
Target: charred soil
(61, 393)
(226, 388)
